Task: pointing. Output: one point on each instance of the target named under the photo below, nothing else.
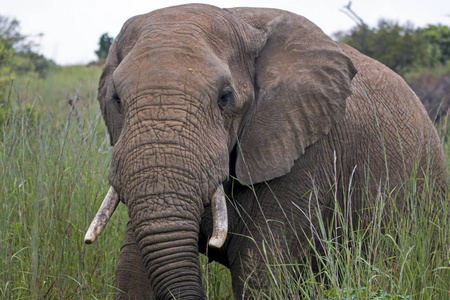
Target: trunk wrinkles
(158, 169)
(165, 207)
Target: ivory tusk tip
(104, 213)
(89, 238)
(216, 242)
(220, 219)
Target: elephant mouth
(109, 204)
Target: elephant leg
(131, 279)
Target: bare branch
(352, 15)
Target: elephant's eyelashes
(225, 98)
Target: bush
(434, 93)
(17, 56)
(402, 48)
(432, 86)
(104, 44)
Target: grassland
(54, 161)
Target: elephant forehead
(181, 47)
(207, 19)
(191, 27)
(170, 69)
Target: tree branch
(352, 15)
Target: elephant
(222, 119)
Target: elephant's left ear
(302, 81)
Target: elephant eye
(117, 102)
(116, 99)
(225, 98)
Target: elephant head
(193, 94)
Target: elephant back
(386, 127)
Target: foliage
(54, 160)
(396, 254)
(30, 61)
(54, 163)
(432, 86)
(401, 48)
(63, 91)
(7, 55)
(333, 294)
(17, 55)
(104, 44)
(398, 47)
(439, 38)
(54, 173)
(9, 30)
(421, 56)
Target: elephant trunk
(170, 256)
(165, 213)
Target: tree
(439, 38)
(17, 54)
(9, 35)
(104, 44)
(9, 30)
(401, 48)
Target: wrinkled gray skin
(194, 94)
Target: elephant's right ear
(302, 80)
(106, 92)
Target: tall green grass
(54, 167)
(393, 255)
(408, 259)
(54, 163)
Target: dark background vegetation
(420, 55)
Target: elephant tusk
(102, 217)
(220, 219)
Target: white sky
(72, 28)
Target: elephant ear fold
(302, 80)
(106, 92)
